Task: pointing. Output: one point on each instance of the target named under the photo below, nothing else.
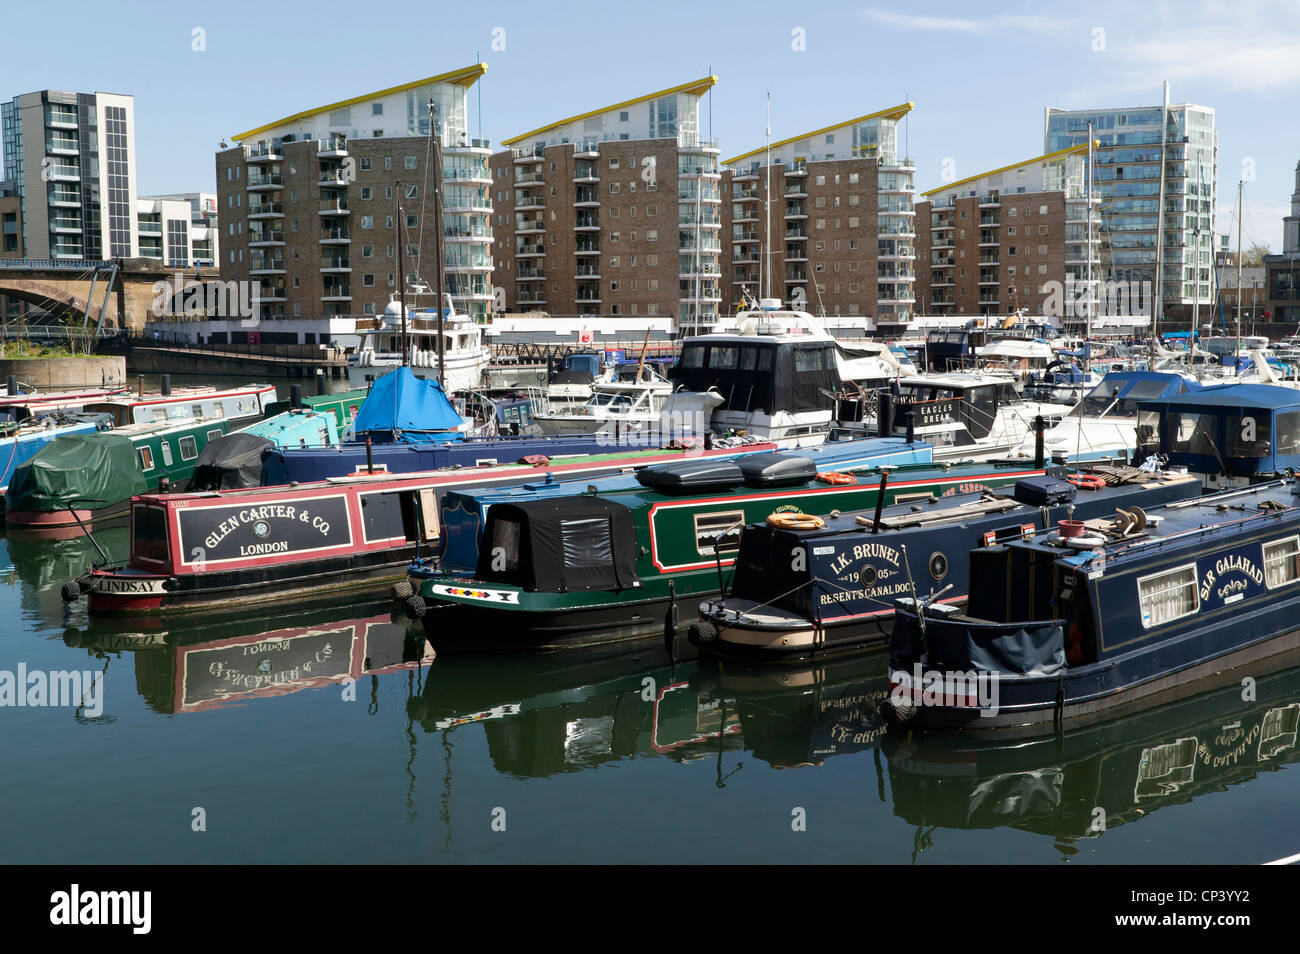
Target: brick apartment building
(838, 231)
(616, 211)
(1001, 241)
(309, 205)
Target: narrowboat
(237, 550)
(236, 406)
(1161, 755)
(570, 570)
(21, 405)
(342, 407)
(196, 668)
(1061, 626)
(1231, 435)
(831, 586)
(91, 478)
(21, 442)
(235, 460)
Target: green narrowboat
(583, 569)
(91, 478)
(343, 406)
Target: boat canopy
(766, 376)
(1119, 392)
(568, 543)
(86, 470)
(402, 407)
(1246, 430)
(230, 462)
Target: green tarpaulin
(95, 470)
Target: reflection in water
(193, 666)
(48, 564)
(1090, 779)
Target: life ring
(795, 521)
(1087, 481)
(839, 479)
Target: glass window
(1168, 596)
(765, 359)
(1190, 433)
(748, 358)
(189, 448)
(1282, 562)
(724, 358)
(166, 453)
(807, 359)
(1248, 435)
(214, 434)
(505, 544)
(720, 530)
(586, 542)
(693, 357)
(146, 459)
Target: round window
(938, 566)
(867, 576)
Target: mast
(1087, 332)
(401, 279)
(438, 229)
(766, 291)
(1241, 185)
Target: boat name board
(230, 533)
(1225, 566)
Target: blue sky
(980, 80)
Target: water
(586, 756)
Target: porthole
(867, 576)
(938, 566)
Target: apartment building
(310, 204)
(70, 161)
(192, 233)
(1156, 173)
(1012, 238)
(616, 211)
(825, 221)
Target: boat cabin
(951, 410)
(1244, 432)
(786, 373)
(187, 404)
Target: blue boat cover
(1237, 395)
(402, 407)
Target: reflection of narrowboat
(1052, 632)
(203, 550)
(91, 478)
(577, 569)
(189, 671)
(1232, 435)
(1088, 779)
(47, 564)
(800, 591)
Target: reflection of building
(1008, 239)
(1282, 279)
(1136, 145)
(841, 236)
(613, 212)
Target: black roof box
(1045, 491)
(688, 476)
(776, 470)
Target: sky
(980, 80)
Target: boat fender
(416, 607)
(837, 479)
(401, 590)
(70, 591)
(701, 632)
(897, 711)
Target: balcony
(587, 150)
(467, 235)
(266, 266)
(61, 119)
(335, 237)
(66, 226)
(61, 147)
(332, 177)
(528, 155)
(590, 248)
(263, 152)
(586, 172)
(337, 292)
(793, 276)
(535, 299)
(335, 207)
(797, 191)
(990, 201)
(527, 226)
(529, 250)
(530, 274)
(339, 264)
(62, 173)
(529, 202)
(266, 210)
(744, 237)
(267, 181)
(586, 199)
(587, 271)
(587, 223)
(529, 178)
(795, 169)
(335, 147)
(269, 293)
(261, 239)
(65, 200)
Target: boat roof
(1235, 395)
(955, 381)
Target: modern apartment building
(825, 221)
(616, 211)
(70, 161)
(310, 204)
(1156, 170)
(1009, 239)
(191, 235)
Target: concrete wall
(53, 374)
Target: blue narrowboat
(1058, 628)
(816, 586)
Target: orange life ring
(834, 478)
(795, 521)
(1087, 481)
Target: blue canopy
(1238, 396)
(402, 407)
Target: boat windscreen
(1119, 398)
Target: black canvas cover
(689, 476)
(1009, 649)
(230, 462)
(776, 470)
(569, 543)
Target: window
(368, 281)
(376, 109)
(1282, 562)
(367, 221)
(718, 532)
(146, 459)
(367, 251)
(1168, 596)
(365, 163)
(409, 162)
(367, 192)
(586, 542)
(412, 192)
(166, 453)
(189, 448)
(214, 434)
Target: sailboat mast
(401, 280)
(437, 232)
(767, 209)
(1241, 186)
(1087, 335)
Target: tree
(1255, 255)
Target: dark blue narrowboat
(1232, 435)
(806, 587)
(1053, 632)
